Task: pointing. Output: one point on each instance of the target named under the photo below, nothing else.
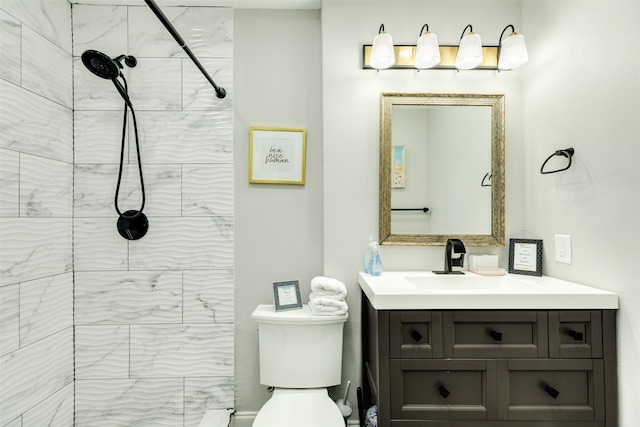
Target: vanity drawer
(560, 390)
(415, 334)
(575, 334)
(495, 334)
(442, 389)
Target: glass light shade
(513, 53)
(469, 52)
(382, 53)
(427, 51)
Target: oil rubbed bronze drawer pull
(577, 336)
(551, 391)
(417, 336)
(497, 336)
(443, 391)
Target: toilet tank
(298, 349)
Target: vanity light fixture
(382, 52)
(469, 50)
(427, 53)
(427, 49)
(512, 53)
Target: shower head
(103, 66)
(100, 64)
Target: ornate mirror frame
(496, 102)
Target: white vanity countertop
(424, 290)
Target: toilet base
(311, 407)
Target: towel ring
(567, 152)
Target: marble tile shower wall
(154, 317)
(36, 187)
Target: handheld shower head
(100, 64)
(103, 66)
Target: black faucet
(453, 246)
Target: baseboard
(245, 419)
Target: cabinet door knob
(551, 391)
(443, 391)
(417, 336)
(497, 336)
(577, 336)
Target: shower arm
(220, 92)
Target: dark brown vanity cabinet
(465, 368)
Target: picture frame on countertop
(525, 256)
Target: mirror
(441, 169)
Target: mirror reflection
(442, 163)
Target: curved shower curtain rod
(220, 92)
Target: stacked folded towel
(327, 296)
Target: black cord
(124, 133)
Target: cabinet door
(443, 389)
(545, 390)
(415, 334)
(575, 334)
(495, 334)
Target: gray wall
(278, 227)
(582, 90)
(36, 198)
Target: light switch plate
(563, 248)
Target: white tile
(35, 125)
(34, 372)
(34, 247)
(207, 190)
(9, 183)
(181, 350)
(54, 411)
(98, 246)
(46, 187)
(102, 351)
(186, 137)
(46, 68)
(46, 307)
(202, 394)
(9, 318)
(127, 402)
(198, 93)
(94, 190)
(128, 297)
(156, 84)
(208, 31)
(15, 423)
(184, 243)
(51, 18)
(208, 296)
(98, 137)
(101, 28)
(11, 31)
(95, 186)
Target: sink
(424, 290)
(468, 283)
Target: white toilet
(300, 356)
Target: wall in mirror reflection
(446, 153)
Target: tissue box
(486, 265)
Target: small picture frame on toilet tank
(286, 295)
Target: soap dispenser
(372, 262)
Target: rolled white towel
(321, 306)
(328, 286)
